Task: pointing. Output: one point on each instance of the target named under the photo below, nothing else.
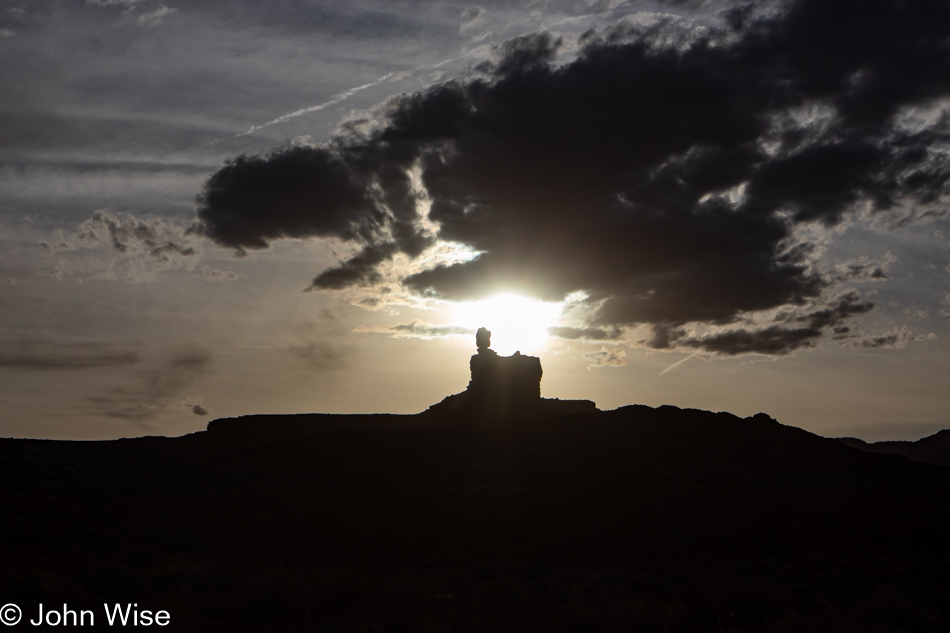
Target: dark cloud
(845, 306)
(774, 340)
(47, 355)
(199, 410)
(789, 332)
(525, 53)
(359, 270)
(295, 192)
(662, 171)
(586, 334)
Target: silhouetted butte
(503, 389)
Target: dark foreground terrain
(637, 519)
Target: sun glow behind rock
(517, 323)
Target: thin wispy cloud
(156, 388)
(64, 355)
(417, 329)
(156, 17)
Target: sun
(517, 323)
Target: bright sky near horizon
(215, 209)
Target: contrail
(326, 104)
(343, 96)
(678, 363)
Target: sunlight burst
(517, 323)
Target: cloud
(586, 334)
(148, 19)
(664, 171)
(834, 314)
(128, 4)
(157, 389)
(199, 410)
(321, 346)
(473, 24)
(790, 331)
(898, 338)
(416, 329)
(112, 245)
(359, 270)
(293, 193)
(322, 355)
(775, 340)
(606, 358)
(11, 22)
(215, 274)
(54, 355)
(472, 15)
(864, 268)
(156, 17)
(525, 53)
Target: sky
(215, 208)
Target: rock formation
(503, 388)
(511, 380)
